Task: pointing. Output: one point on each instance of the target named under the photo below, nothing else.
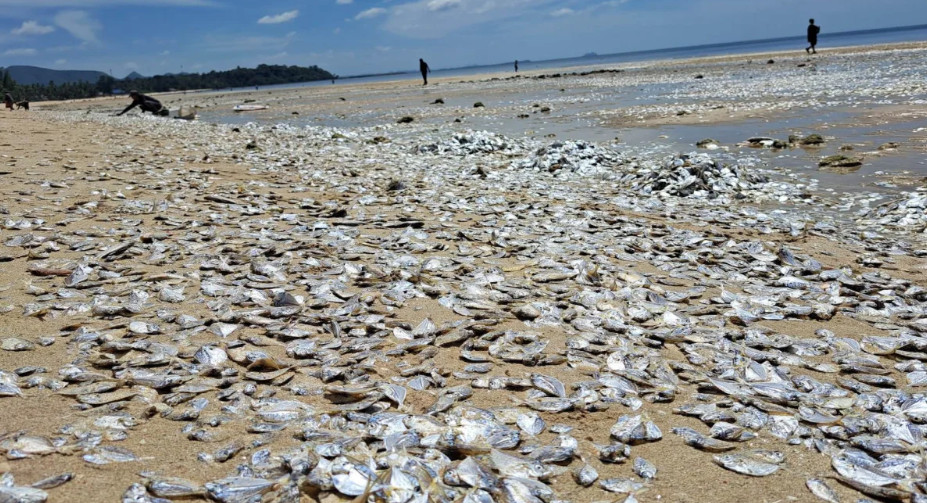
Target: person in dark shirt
(813, 31)
(146, 103)
(516, 66)
(423, 67)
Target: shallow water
(832, 95)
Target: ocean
(825, 41)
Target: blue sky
(349, 37)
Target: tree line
(263, 75)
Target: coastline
(382, 226)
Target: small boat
(249, 108)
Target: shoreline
(482, 77)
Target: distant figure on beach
(813, 31)
(423, 67)
(516, 66)
(146, 103)
(8, 100)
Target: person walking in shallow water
(423, 67)
(516, 66)
(813, 31)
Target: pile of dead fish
(571, 157)
(908, 213)
(473, 142)
(695, 175)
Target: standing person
(8, 100)
(423, 67)
(516, 66)
(813, 31)
(146, 103)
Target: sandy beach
(475, 304)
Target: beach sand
(73, 180)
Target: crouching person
(146, 103)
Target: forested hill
(263, 75)
(26, 75)
(102, 84)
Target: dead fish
(753, 463)
(621, 485)
(8, 385)
(635, 430)
(695, 439)
(53, 481)
(237, 489)
(644, 469)
(20, 494)
(823, 491)
(16, 344)
(614, 453)
(585, 475)
(550, 385)
(110, 454)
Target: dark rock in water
(457, 120)
(294, 113)
(379, 139)
(700, 76)
(545, 109)
(523, 116)
(771, 62)
(706, 142)
(683, 112)
(396, 185)
(236, 130)
(812, 139)
(339, 136)
(888, 146)
(841, 163)
(847, 147)
(439, 101)
(405, 120)
(251, 145)
(478, 104)
(343, 99)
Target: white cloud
(20, 52)
(279, 18)
(370, 13)
(32, 28)
(131, 65)
(165, 52)
(383, 48)
(440, 5)
(79, 24)
(344, 2)
(61, 62)
(566, 11)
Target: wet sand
(53, 168)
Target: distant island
(98, 83)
